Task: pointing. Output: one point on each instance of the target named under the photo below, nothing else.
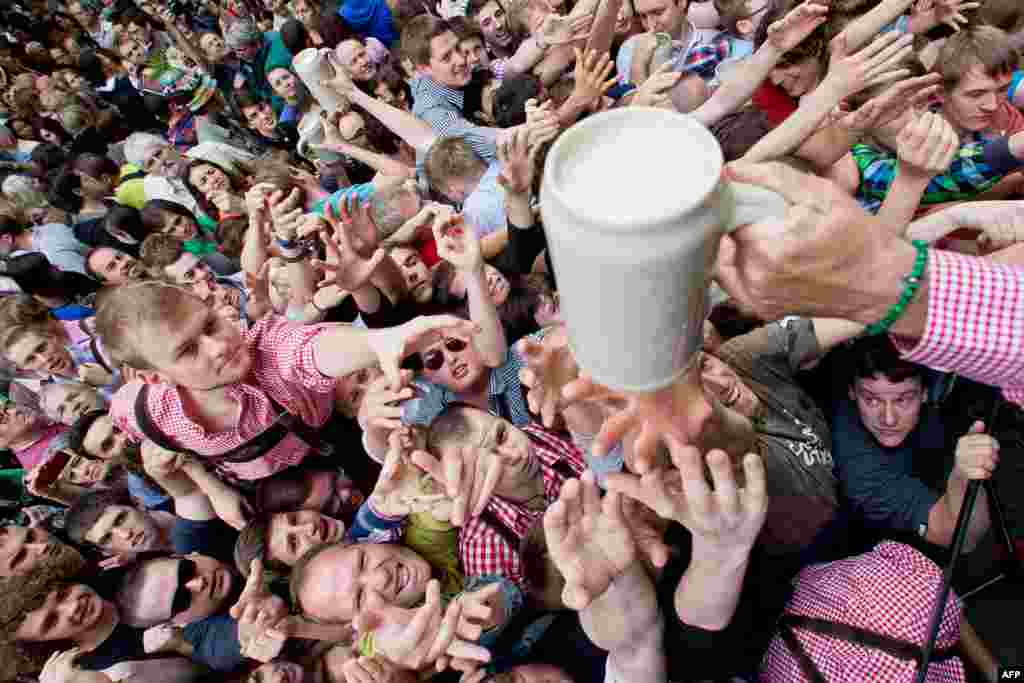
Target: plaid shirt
(441, 107)
(483, 548)
(968, 176)
(283, 369)
(975, 322)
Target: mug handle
(743, 204)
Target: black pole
(959, 538)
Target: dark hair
(94, 165)
(466, 29)
(88, 509)
(41, 123)
(78, 431)
(294, 36)
(151, 215)
(334, 29)
(814, 45)
(254, 542)
(205, 204)
(49, 157)
(392, 80)
(62, 193)
(876, 355)
(510, 99)
(125, 219)
(10, 226)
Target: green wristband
(911, 283)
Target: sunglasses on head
(183, 596)
(433, 360)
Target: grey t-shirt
(793, 434)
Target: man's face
(351, 389)
(85, 471)
(662, 16)
(65, 403)
(166, 162)
(67, 613)
(292, 534)
(16, 424)
(261, 118)
(186, 589)
(384, 93)
(533, 673)
(493, 23)
(123, 529)
(418, 278)
(107, 441)
(889, 410)
(447, 64)
(356, 59)
(115, 267)
(213, 48)
(797, 79)
(454, 362)
(188, 269)
(41, 353)
(339, 581)
(972, 104)
(248, 51)
(720, 379)
(474, 52)
(306, 12)
(131, 51)
(177, 225)
(511, 445)
(23, 549)
(197, 349)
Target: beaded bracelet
(911, 283)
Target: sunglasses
(433, 360)
(183, 596)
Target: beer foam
(625, 167)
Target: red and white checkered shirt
(485, 550)
(975, 322)
(891, 590)
(283, 368)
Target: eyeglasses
(183, 596)
(433, 360)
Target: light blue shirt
(484, 209)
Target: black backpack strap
(148, 427)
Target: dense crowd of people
(288, 393)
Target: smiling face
(68, 613)
(493, 23)
(447, 63)
(66, 402)
(261, 118)
(22, 550)
(889, 410)
(292, 534)
(115, 267)
(43, 353)
(338, 581)
(197, 349)
(209, 179)
(283, 83)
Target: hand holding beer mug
(634, 206)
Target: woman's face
(356, 59)
(306, 12)
(284, 83)
(213, 47)
(385, 94)
(177, 225)
(209, 179)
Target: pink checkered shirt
(283, 369)
(483, 549)
(975, 322)
(892, 591)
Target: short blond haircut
(451, 159)
(123, 312)
(984, 46)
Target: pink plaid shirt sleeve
(975, 324)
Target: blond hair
(122, 313)
(451, 159)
